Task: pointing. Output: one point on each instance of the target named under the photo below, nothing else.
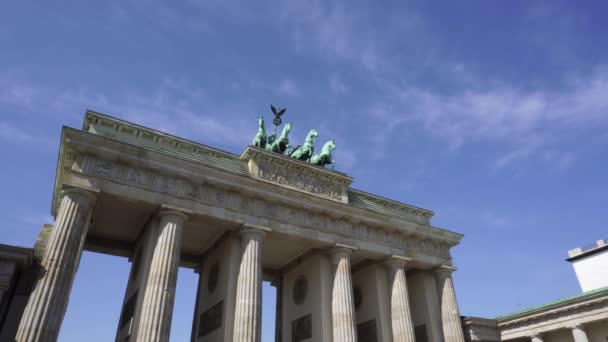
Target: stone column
(46, 306)
(342, 303)
(536, 338)
(450, 317)
(193, 332)
(159, 294)
(402, 325)
(248, 311)
(278, 323)
(579, 334)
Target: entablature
(582, 309)
(88, 155)
(315, 180)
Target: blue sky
(492, 114)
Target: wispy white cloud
(175, 106)
(336, 84)
(493, 220)
(288, 87)
(15, 92)
(501, 113)
(331, 28)
(11, 133)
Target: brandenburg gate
(348, 265)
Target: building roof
(101, 124)
(589, 250)
(550, 305)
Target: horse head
(329, 146)
(312, 134)
(287, 128)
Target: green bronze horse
(324, 158)
(305, 151)
(281, 144)
(260, 138)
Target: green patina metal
(260, 138)
(304, 152)
(551, 305)
(324, 158)
(280, 145)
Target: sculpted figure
(305, 151)
(260, 138)
(281, 144)
(324, 158)
(277, 114)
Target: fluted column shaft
(47, 304)
(579, 334)
(402, 325)
(450, 317)
(159, 293)
(342, 303)
(248, 311)
(278, 323)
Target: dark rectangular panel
(420, 332)
(366, 331)
(301, 328)
(211, 319)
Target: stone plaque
(301, 328)
(210, 320)
(128, 310)
(300, 289)
(213, 277)
(366, 331)
(420, 332)
(301, 176)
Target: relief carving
(207, 193)
(296, 179)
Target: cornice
(104, 125)
(84, 142)
(559, 307)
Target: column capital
(90, 196)
(396, 261)
(576, 326)
(443, 271)
(174, 213)
(340, 251)
(249, 232)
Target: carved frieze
(210, 194)
(297, 175)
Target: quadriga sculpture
(259, 140)
(305, 151)
(281, 144)
(324, 158)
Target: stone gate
(347, 265)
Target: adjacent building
(348, 265)
(579, 318)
